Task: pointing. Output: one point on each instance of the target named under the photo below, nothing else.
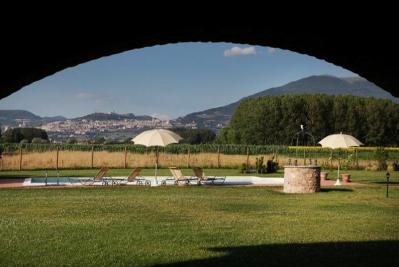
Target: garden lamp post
(387, 175)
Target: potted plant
(323, 176)
(346, 177)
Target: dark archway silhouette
(33, 52)
(348, 253)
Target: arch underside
(32, 55)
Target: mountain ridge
(24, 118)
(317, 84)
(112, 116)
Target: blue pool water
(75, 181)
(54, 180)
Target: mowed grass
(198, 226)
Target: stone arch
(371, 54)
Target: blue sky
(167, 81)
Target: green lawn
(198, 226)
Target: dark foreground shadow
(390, 183)
(336, 190)
(372, 253)
(16, 177)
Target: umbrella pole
(338, 182)
(156, 166)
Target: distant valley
(114, 125)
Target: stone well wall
(301, 179)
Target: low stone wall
(301, 179)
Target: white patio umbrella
(340, 140)
(157, 137)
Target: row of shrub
(271, 166)
(298, 152)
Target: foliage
(37, 140)
(127, 140)
(395, 165)
(381, 155)
(71, 140)
(111, 142)
(16, 135)
(195, 136)
(260, 166)
(276, 119)
(348, 162)
(271, 166)
(98, 140)
(244, 168)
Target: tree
(127, 140)
(16, 135)
(72, 140)
(195, 136)
(98, 140)
(276, 119)
(37, 140)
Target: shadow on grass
(371, 253)
(14, 177)
(336, 190)
(385, 183)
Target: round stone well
(301, 179)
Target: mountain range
(322, 84)
(18, 117)
(219, 117)
(99, 116)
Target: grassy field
(83, 159)
(198, 226)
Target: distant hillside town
(89, 127)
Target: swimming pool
(43, 181)
(74, 181)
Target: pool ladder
(58, 178)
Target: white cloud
(271, 50)
(237, 51)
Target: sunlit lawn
(198, 225)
